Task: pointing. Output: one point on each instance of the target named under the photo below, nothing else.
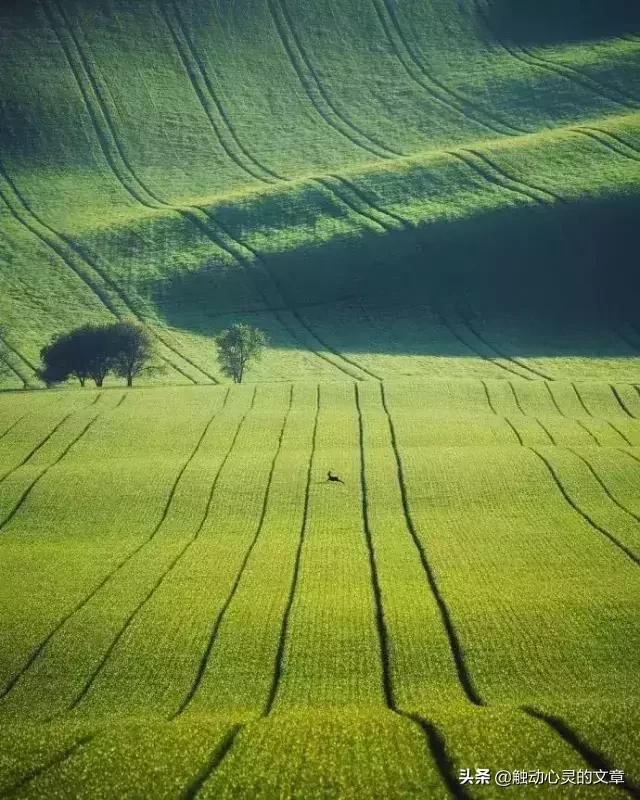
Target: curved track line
(435, 88)
(605, 139)
(213, 635)
(301, 64)
(344, 199)
(9, 368)
(199, 216)
(383, 212)
(21, 360)
(568, 73)
(464, 156)
(106, 134)
(435, 739)
(515, 430)
(192, 789)
(621, 402)
(627, 453)
(203, 88)
(527, 186)
(41, 475)
(546, 430)
(580, 76)
(278, 666)
(380, 622)
(516, 398)
(442, 318)
(604, 487)
(55, 761)
(584, 428)
(174, 562)
(554, 401)
(38, 446)
(10, 428)
(455, 645)
(79, 606)
(538, 373)
(69, 254)
(593, 757)
(620, 433)
(622, 547)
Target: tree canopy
(237, 346)
(92, 351)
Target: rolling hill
(431, 207)
(366, 181)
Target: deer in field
(331, 476)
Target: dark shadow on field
(550, 21)
(559, 279)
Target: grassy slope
(192, 165)
(392, 192)
(325, 624)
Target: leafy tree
(92, 351)
(64, 357)
(97, 348)
(237, 346)
(133, 350)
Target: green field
(431, 207)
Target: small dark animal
(334, 478)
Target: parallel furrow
(538, 373)
(455, 645)
(384, 214)
(434, 738)
(604, 487)
(592, 757)
(167, 572)
(348, 201)
(53, 762)
(25, 494)
(437, 90)
(200, 217)
(556, 479)
(444, 320)
(284, 628)
(608, 140)
(206, 655)
(218, 118)
(22, 362)
(118, 568)
(84, 268)
(106, 132)
(314, 88)
(36, 447)
(569, 73)
(542, 193)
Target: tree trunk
(129, 379)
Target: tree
(64, 357)
(133, 349)
(92, 351)
(237, 346)
(86, 352)
(98, 350)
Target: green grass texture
(189, 608)
(368, 181)
(431, 208)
